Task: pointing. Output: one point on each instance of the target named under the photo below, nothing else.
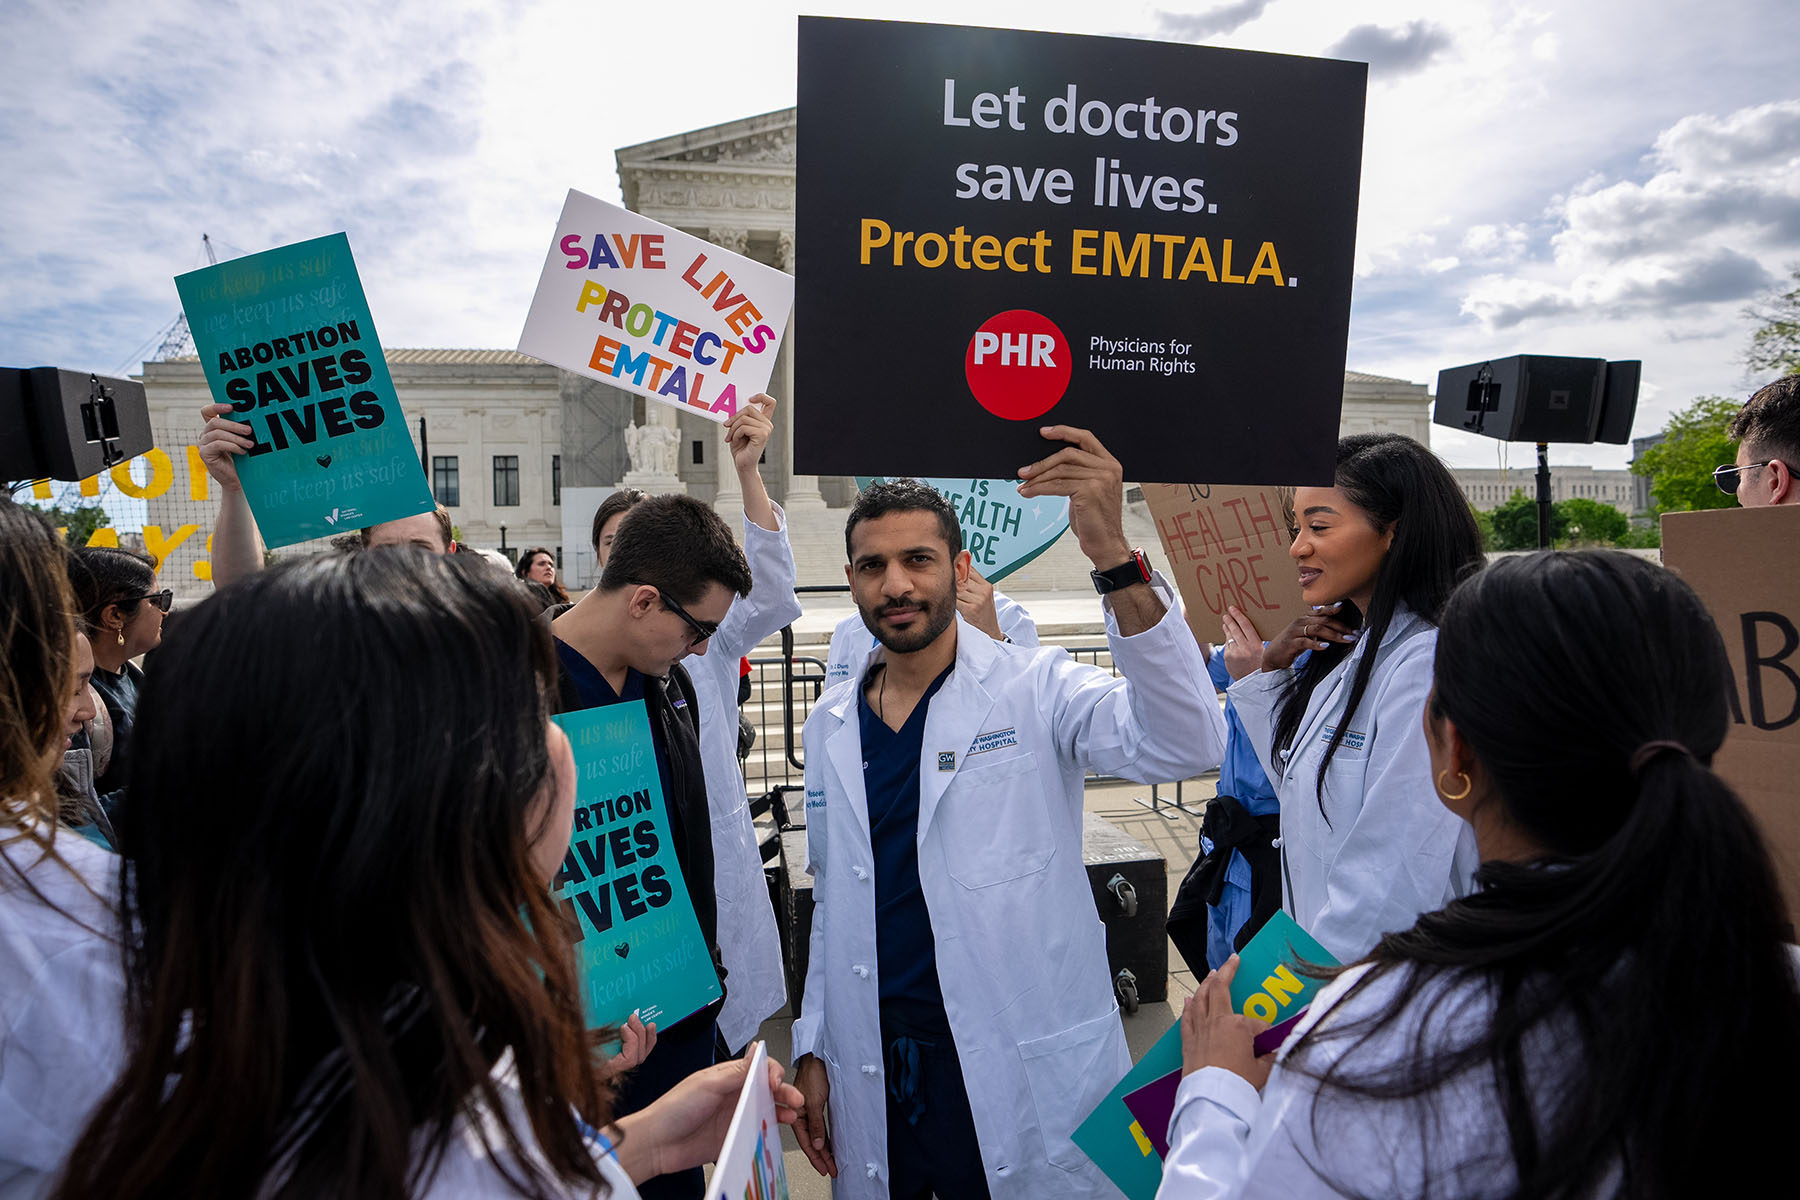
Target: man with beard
(958, 1019)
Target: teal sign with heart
(1001, 529)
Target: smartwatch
(1134, 570)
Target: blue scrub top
(905, 950)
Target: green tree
(1515, 523)
(1642, 537)
(1589, 522)
(1485, 524)
(78, 524)
(1680, 467)
(1775, 344)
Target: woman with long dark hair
(61, 987)
(1365, 846)
(538, 565)
(347, 975)
(118, 597)
(1614, 1011)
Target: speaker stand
(1543, 496)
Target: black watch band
(1136, 569)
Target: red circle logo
(1018, 364)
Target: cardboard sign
(1742, 562)
(1229, 545)
(1005, 230)
(1115, 1139)
(750, 1166)
(1127, 1133)
(286, 339)
(1002, 531)
(1268, 987)
(650, 309)
(640, 946)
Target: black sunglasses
(1727, 476)
(165, 599)
(702, 630)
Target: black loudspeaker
(57, 424)
(1540, 398)
(1618, 401)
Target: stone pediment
(765, 141)
(739, 174)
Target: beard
(935, 615)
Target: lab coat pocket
(1057, 1068)
(996, 827)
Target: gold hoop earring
(121, 637)
(1468, 785)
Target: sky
(1616, 178)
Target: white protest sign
(650, 309)
(750, 1163)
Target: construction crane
(174, 339)
(177, 340)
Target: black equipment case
(1130, 883)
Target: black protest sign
(1000, 230)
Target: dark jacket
(690, 818)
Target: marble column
(728, 502)
(802, 491)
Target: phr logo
(1018, 364)
(1011, 348)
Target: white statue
(653, 450)
(660, 444)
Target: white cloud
(1719, 208)
(1408, 48)
(1196, 27)
(1497, 243)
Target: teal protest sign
(1002, 530)
(1124, 1135)
(286, 339)
(639, 945)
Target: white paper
(650, 309)
(750, 1164)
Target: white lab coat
(1227, 1141)
(62, 1005)
(1021, 953)
(851, 641)
(477, 1166)
(749, 942)
(1390, 850)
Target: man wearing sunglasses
(670, 579)
(1767, 430)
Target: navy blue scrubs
(932, 1147)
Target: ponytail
(1632, 966)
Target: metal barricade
(797, 682)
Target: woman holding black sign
(1365, 845)
(1613, 1013)
(346, 973)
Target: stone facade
(1487, 488)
